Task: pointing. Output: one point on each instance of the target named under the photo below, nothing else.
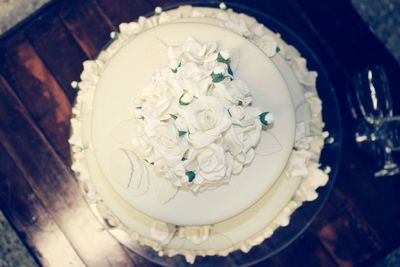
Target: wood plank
(124, 10)
(54, 185)
(87, 24)
(294, 255)
(38, 90)
(342, 235)
(31, 220)
(57, 48)
(91, 39)
(164, 3)
(367, 196)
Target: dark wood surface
(39, 195)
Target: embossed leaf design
(164, 190)
(268, 145)
(128, 171)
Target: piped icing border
(303, 161)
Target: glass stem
(389, 162)
(387, 151)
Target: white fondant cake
(167, 135)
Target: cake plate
(303, 216)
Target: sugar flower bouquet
(195, 119)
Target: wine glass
(389, 135)
(363, 131)
(375, 103)
(366, 138)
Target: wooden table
(39, 195)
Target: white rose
(193, 51)
(244, 116)
(207, 119)
(233, 93)
(193, 79)
(239, 140)
(233, 140)
(240, 92)
(165, 140)
(243, 135)
(224, 54)
(251, 135)
(172, 173)
(181, 124)
(207, 163)
(162, 169)
(174, 64)
(161, 75)
(158, 99)
(242, 159)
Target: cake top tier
(113, 121)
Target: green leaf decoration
(182, 102)
(141, 118)
(114, 36)
(176, 70)
(216, 78)
(230, 70)
(263, 118)
(183, 159)
(174, 117)
(181, 133)
(221, 59)
(277, 49)
(138, 107)
(191, 175)
(230, 115)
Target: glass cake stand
(303, 216)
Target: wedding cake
(197, 132)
